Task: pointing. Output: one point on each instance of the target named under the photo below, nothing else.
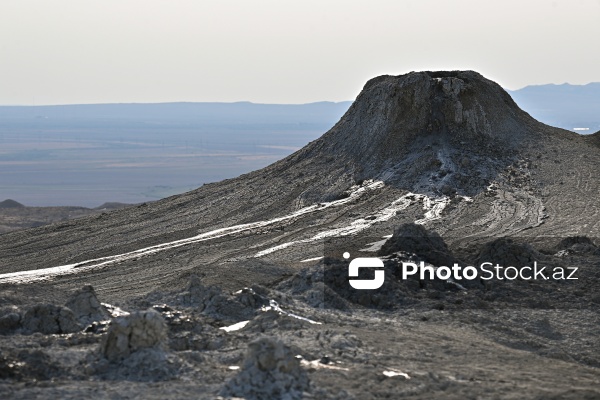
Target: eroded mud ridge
(239, 288)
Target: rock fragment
(212, 301)
(506, 252)
(10, 320)
(578, 245)
(270, 371)
(50, 319)
(425, 244)
(86, 307)
(129, 334)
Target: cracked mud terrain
(239, 288)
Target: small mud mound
(506, 252)
(426, 245)
(391, 294)
(189, 331)
(86, 307)
(9, 203)
(271, 320)
(28, 365)
(308, 285)
(131, 333)
(212, 301)
(50, 319)
(134, 349)
(146, 364)
(10, 320)
(270, 371)
(578, 245)
(327, 285)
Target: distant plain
(49, 158)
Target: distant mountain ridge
(10, 203)
(565, 106)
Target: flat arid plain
(240, 288)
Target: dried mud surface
(293, 341)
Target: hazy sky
(281, 51)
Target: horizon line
(251, 102)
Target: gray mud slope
(594, 139)
(446, 157)
(429, 132)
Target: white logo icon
(365, 284)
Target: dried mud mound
(86, 307)
(28, 364)
(426, 245)
(213, 301)
(326, 286)
(309, 286)
(132, 333)
(429, 132)
(392, 294)
(505, 271)
(81, 309)
(270, 371)
(135, 348)
(577, 245)
(50, 319)
(10, 320)
(506, 252)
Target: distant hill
(8, 203)
(564, 106)
(15, 216)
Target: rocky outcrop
(50, 319)
(415, 239)
(270, 371)
(10, 320)
(213, 301)
(578, 245)
(131, 333)
(506, 252)
(86, 307)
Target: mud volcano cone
(456, 125)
